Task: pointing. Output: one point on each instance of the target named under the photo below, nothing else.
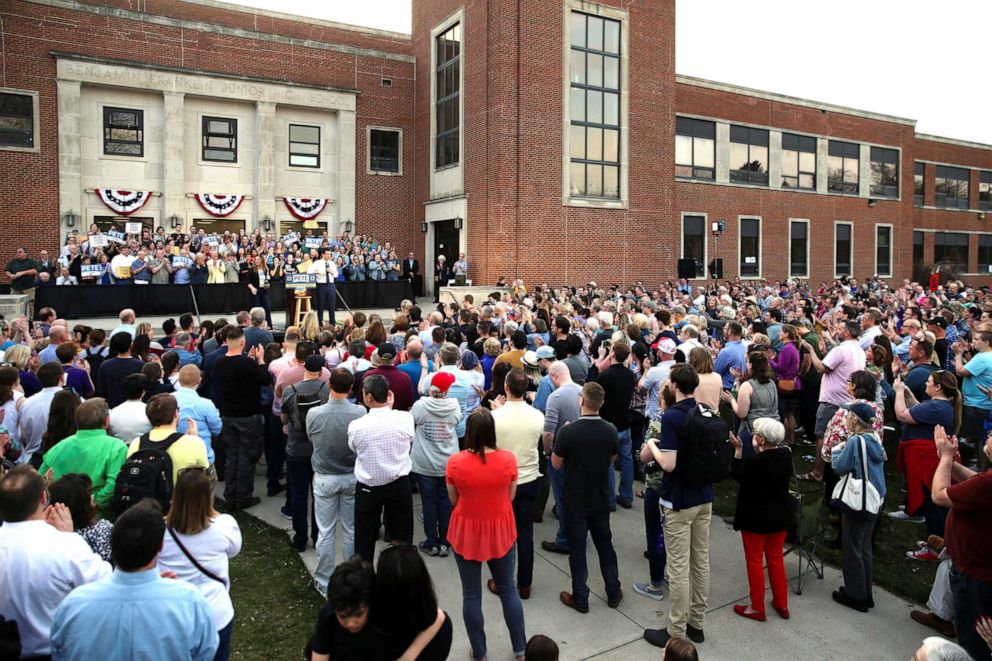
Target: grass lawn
(275, 606)
(893, 570)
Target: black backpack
(709, 452)
(302, 403)
(146, 474)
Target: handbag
(786, 385)
(189, 556)
(857, 495)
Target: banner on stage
(301, 280)
(98, 241)
(313, 242)
(132, 228)
(115, 235)
(91, 270)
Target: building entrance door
(446, 241)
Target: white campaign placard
(115, 236)
(91, 270)
(132, 228)
(98, 241)
(313, 242)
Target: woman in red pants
(763, 514)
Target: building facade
(550, 140)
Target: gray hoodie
(435, 441)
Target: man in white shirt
(33, 419)
(381, 441)
(871, 328)
(127, 318)
(120, 266)
(128, 420)
(41, 559)
(326, 271)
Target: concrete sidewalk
(818, 628)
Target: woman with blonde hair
(309, 328)
(198, 547)
(710, 383)
(18, 357)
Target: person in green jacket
(92, 451)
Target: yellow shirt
(518, 430)
(304, 266)
(187, 452)
(215, 272)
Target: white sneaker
(900, 515)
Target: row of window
(951, 249)
(695, 236)
(951, 187)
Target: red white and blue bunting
(219, 206)
(305, 208)
(123, 202)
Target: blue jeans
(436, 507)
(327, 295)
(261, 300)
(971, 599)
(224, 647)
(655, 537)
(300, 473)
(275, 449)
(470, 572)
(557, 484)
(626, 493)
(579, 525)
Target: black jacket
(763, 502)
(409, 271)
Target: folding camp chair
(805, 538)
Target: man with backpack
(687, 452)
(299, 399)
(155, 459)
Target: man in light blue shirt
(135, 613)
(202, 411)
(733, 355)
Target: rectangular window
(883, 250)
(843, 249)
(951, 249)
(884, 172)
(304, 146)
(750, 247)
(917, 250)
(694, 242)
(220, 139)
(16, 120)
(594, 105)
(845, 167)
(985, 191)
(384, 150)
(748, 155)
(798, 161)
(919, 172)
(695, 148)
(984, 253)
(447, 100)
(950, 187)
(123, 131)
(798, 249)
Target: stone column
(822, 164)
(774, 159)
(344, 203)
(173, 160)
(70, 162)
(722, 152)
(864, 171)
(264, 203)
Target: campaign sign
(301, 280)
(115, 235)
(91, 270)
(313, 242)
(98, 241)
(291, 237)
(213, 240)
(179, 261)
(133, 228)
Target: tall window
(695, 148)
(984, 253)
(845, 167)
(594, 102)
(16, 120)
(798, 249)
(123, 131)
(917, 249)
(883, 250)
(304, 146)
(951, 249)
(748, 155)
(919, 172)
(950, 187)
(884, 172)
(798, 161)
(750, 247)
(694, 242)
(384, 150)
(985, 191)
(448, 84)
(843, 248)
(220, 139)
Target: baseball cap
(314, 363)
(387, 350)
(442, 381)
(864, 412)
(469, 360)
(665, 345)
(546, 352)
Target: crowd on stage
(592, 397)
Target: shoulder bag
(857, 495)
(189, 556)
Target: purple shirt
(78, 380)
(786, 365)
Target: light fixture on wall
(981, 215)
(347, 226)
(266, 223)
(458, 223)
(872, 202)
(423, 227)
(175, 221)
(70, 218)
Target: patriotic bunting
(219, 206)
(305, 208)
(123, 202)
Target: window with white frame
(798, 161)
(447, 99)
(883, 250)
(750, 247)
(384, 150)
(694, 242)
(304, 146)
(18, 115)
(798, 248)
(843, 249)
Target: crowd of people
(115, 440)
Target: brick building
(547, 140)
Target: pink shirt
(843, 360)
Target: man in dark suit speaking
(411, 269)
